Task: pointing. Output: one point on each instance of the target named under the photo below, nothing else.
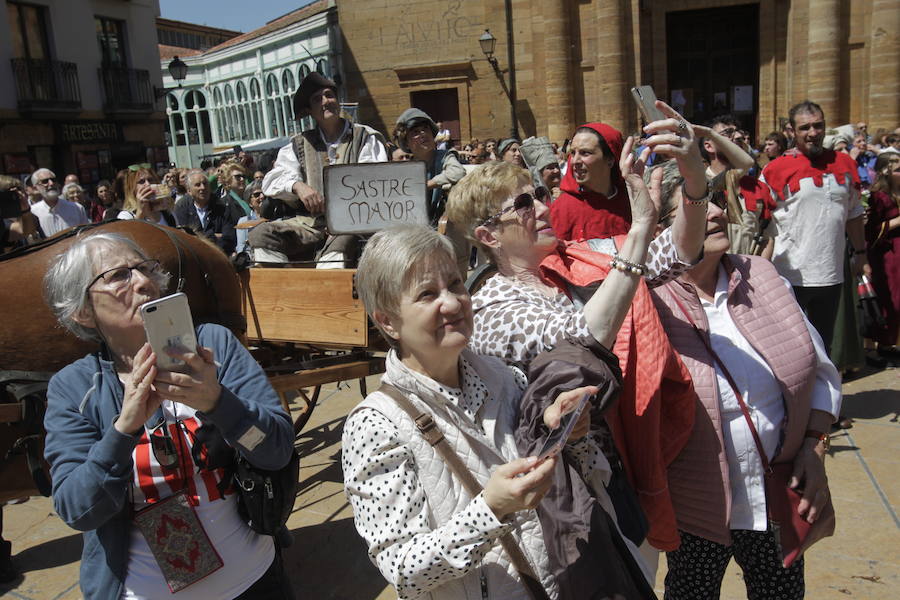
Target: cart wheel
(306, 411)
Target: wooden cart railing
(307, 328)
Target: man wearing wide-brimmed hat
(297, 175)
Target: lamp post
(488, 43)
(178, 70)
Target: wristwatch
(819, 435)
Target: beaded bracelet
(620, 264)
(694, 201)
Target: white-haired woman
(428, 535)
(122, 440)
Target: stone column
(824, 61)
(884, 66)
(558, 70)
(611, 106)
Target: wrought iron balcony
(126, 90)
(46, 85)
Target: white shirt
(245, 554)
(809, 230)
(766, 405)
(127, 215)
(279, 182)
(62, 216)
(202, 212)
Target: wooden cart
(307, 328)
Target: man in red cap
(297, 176)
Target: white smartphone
(169, 324)
(645, 98)
(557, 438)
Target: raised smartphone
(557, 438)
(645, 98)
(168, 324)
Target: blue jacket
(91, 464)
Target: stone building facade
(575, 60)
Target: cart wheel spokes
(309, 403)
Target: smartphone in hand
(557, 438)
(645, 98)
(168, 324)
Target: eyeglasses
(163, 445)
(239, 177)
(523, 205)
(119, 277)
(256, 193)
(46, 180)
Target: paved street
(328, 559)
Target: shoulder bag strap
(432, 434)
(734, 388)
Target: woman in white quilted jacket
(429, 537)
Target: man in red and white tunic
(817, 201)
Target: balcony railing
(46, 84)
(126, 89)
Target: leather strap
(734, 388)
(432, 434)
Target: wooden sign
(369, 197)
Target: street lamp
(178, 70)
(488, 42)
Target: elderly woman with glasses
(430, 533)
(525, 310)
(753, 357)
(137, 452)
(254, 197)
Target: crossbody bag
(432, 434)
(793, 533)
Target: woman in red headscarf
(593, 202)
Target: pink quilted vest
(767, 314)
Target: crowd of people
(700, 291)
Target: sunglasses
(239, 176)
(46, 180)
(119, 277)
(255, 194)
(163, 445)
(719, 199)
(523, 205)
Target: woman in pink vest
(732, 316)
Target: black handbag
(266, 498)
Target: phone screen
(556, 439)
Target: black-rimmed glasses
(523, 205)
(121, 276)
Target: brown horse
(31, 339)
(33, 342)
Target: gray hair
(69, 187)
(408, 251)
(70, 273)
(671, 180)
(35, 178)
(193, 172)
